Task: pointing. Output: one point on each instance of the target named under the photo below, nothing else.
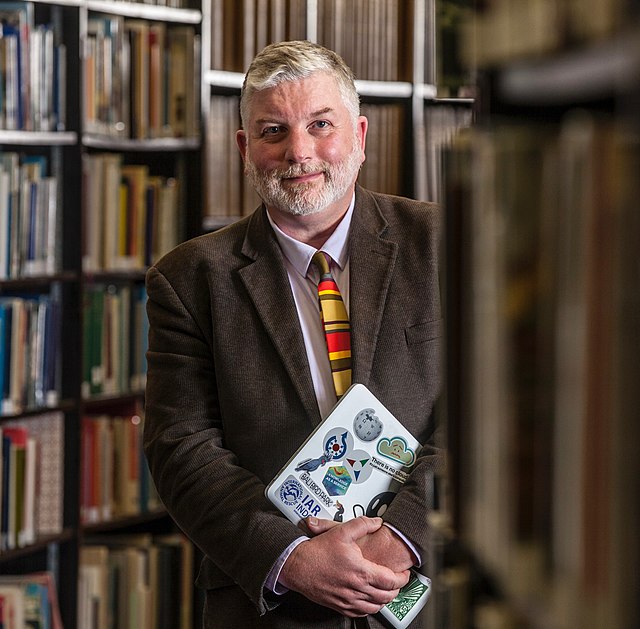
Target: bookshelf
(96, 172)
(123, 177)
(392, 48)
(542, 223)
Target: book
(138, 37)
(43, 488)
(353, 464)
(4, 494)
(17, 19)
(136, 178)
(17, 436)
(36, 598)
(13, 603)
(48, 429)
(157, 80)
(174, 570)
(182, 44)
(29, 221)
(93, 587)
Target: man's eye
(322, 124)
(272, 130)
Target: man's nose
(299, 146)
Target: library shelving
(117, 122)
(99, 159)
(391, 46)
(543, 310)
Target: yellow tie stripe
(335, 322)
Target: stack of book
(132, 217)
(547, 393)
(29, 352)
(32, 72)
(387, 161)
(240, 29)
(143, 581)
(234, 195)
(114, 339)
(29, 600)
(370, 35)
(115, 476)
(141, 78)
(30, 241)
(32, 479)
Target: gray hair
(293, 61)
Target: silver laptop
(353, 464)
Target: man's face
(302, 149)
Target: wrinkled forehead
(306, 85)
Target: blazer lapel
(371, 259)
(267, 284)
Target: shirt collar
(299, 254)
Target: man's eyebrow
(320, 112)
(271, 120)
(276, 119)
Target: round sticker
(338, 443)
(367, 425)
(358, 464)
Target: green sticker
(407, 597)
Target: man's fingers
(359, 527)
(385, 579)
(316, 526)
(355, 586)
(352, 529)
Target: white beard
(305, 199)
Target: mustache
(298, 170)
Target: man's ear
(241, 141)
(362, 126)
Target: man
(238, 371)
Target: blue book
(5, 357)
(12, 79)
(37, 605)
(40, 162)
(51, 347)
(17, 20)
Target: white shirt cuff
(272, 583)
(417, 560)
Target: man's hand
(330, 569)
(382, 546)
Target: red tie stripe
(335, 322)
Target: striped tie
(335, 322)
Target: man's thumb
(316, 526)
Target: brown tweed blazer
(229, 393)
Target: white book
(13, 604)
(353, 464)
(28, 533)
(5, 221)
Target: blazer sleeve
(408, 512)
(219, 504)
(406, 371)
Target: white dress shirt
(304, 278)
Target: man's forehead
(300, 101)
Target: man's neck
(313, 229)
